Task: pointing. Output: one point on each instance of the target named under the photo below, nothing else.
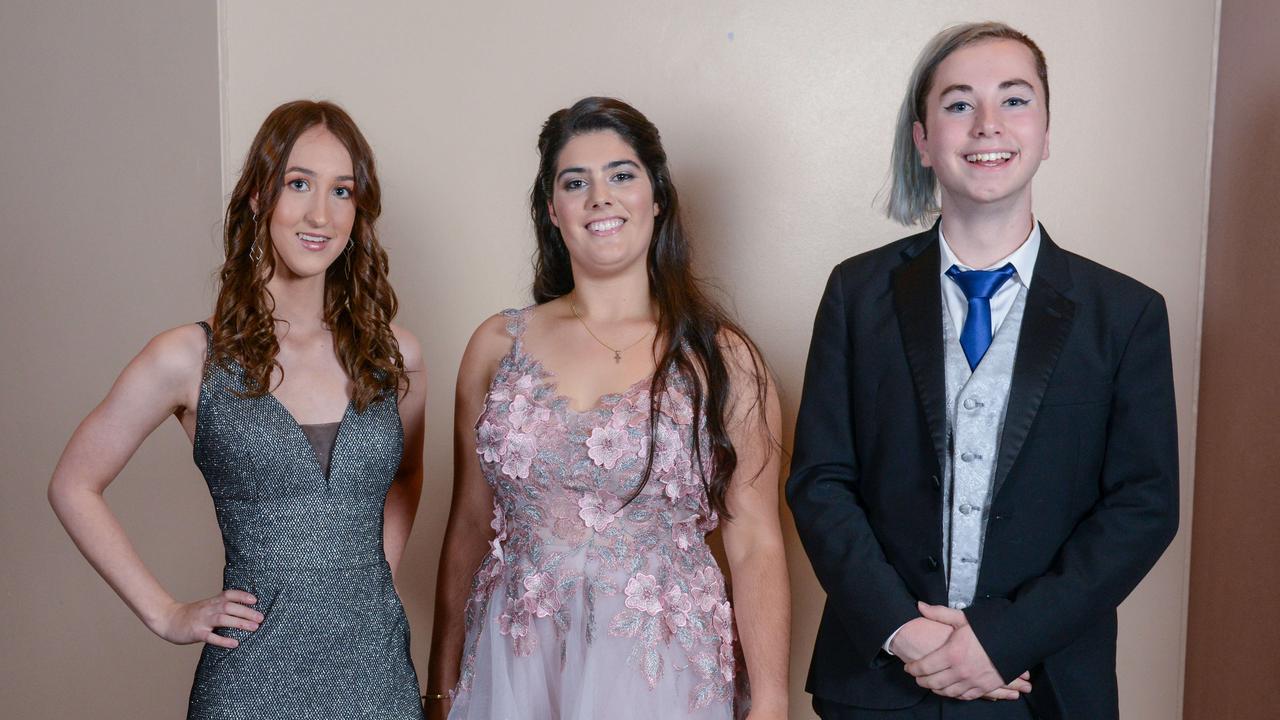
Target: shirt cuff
(889, 642)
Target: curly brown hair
(358, 300)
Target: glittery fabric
(587, 606)
(334, 643)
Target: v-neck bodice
(276, 502)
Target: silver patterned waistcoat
(976, 402)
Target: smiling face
(315, 209)
(986, 126)
(602, 202)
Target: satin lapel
(1046, 322)
(917, 300)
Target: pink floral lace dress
(588, 606)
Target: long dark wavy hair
(692, 328)
(358, 300)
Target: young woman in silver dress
(305, 408)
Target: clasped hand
(943, 654)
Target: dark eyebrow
(610, 166)
(312, 173)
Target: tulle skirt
(579, 664)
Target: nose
(600, 195)
(986, 122)
(318, 210)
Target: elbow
(1169, 525)
(57, 495)
(793, 489)
(760, 551)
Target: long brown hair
(691, 326)
(358, 300)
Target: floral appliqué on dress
(571, 555)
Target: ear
(1045, 154)
(657, 210)
(551, 210)
(921, 139)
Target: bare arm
(406, 488)
(753, 536)
(468, 532)
(162, 380)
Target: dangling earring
(346, 255)
(255, 252)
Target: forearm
(462, 553)
(762, 606)
(1106, 557)
(866, 591)
(397, 518)
(102, 540)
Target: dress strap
(517, 321)
(208, 338)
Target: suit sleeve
(863, 589)
(1129, 527)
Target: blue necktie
(978, 287)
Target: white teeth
(605, 225)
(988, 157)
(312, 238)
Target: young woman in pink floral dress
(620, 419)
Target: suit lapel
(917, 300)
(1046, 322)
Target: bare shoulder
(488, 345)
(169, 368)
(410, 348)
(177, 354)
(741, 355)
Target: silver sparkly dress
(308, 545)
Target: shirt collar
(1023, 259)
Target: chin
(302, 271)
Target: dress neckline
(559, 400)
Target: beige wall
(778, 118)
(1235, 583)
(110, 202)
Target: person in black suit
(985, 456)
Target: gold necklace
(617, 352)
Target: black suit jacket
(1085, 490)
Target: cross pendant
(617, 356)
